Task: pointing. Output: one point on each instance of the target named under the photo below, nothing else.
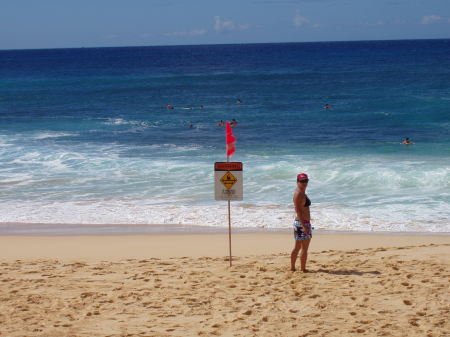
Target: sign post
(229, 182)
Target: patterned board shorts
(299, 234)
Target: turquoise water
(85, 135)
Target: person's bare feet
(293, 269)
(305, 271)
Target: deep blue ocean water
(85, 135)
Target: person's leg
(304, 253)
(294, 253)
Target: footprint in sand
(414, 322)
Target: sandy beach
(182, 285)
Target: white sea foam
(4, 143)
(14, 179)
(28, 156)
(135, 123)
(175, 148)
(45, 135)
(116, 121)
(99, 185)
(275, 216)
(53, 162)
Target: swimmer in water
(233, 122)
(327, 106)
(407, 141)
(221, 123)
(169, 107)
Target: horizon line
(220, 44)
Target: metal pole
(229, 222)
(229, 229)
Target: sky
(31, 24)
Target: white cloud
(194, 32)
(226, 25)
(430, 19)
(300, 20)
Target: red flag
(229, 140)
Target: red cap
(302, 176)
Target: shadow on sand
(345, 272)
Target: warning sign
(228, 166)
(228, 179)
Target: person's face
(303, 183)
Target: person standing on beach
(302, 224)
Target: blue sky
(102, 23)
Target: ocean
(87, 140)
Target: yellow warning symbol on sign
(228, 180)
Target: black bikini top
(307, 202)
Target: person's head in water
(407, 141)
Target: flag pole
(229, 228)
(229, 141)
(229, 224)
